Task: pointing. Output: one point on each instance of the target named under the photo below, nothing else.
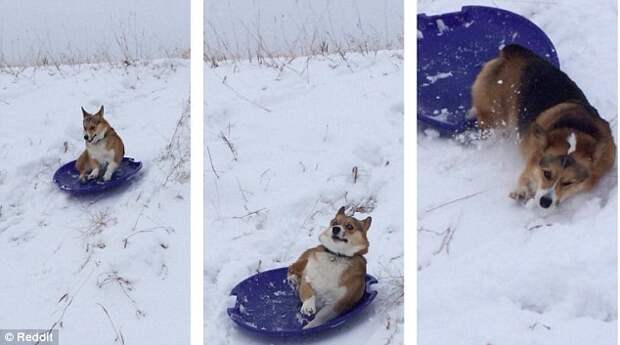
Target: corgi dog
(331, 277)
(566, 144)
(104, 148)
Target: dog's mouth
(92, 139)
(338, 239)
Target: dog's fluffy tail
(325, 314)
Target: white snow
(441, 115)
(572, 143)
(491, 271)
(438, 76)
(287, 144)
(441, 26)
(96, 268)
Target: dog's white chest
(99, 152)
(323, 272)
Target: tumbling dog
(104, 148)
(567, 146)
(330, 278)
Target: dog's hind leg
(308, 297)
(82, 166)
(109, 171)
(86, 165)
(472, 114)
(94, 173)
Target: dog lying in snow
(104, 148)
(566, 144)
(331, 277)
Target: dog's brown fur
(104, 154)
(520, 90)
(352, 278)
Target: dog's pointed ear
(340, 211)
(602, 150)
(366, 223)
(539, 135)
(99, 112)
(84, 112)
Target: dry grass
(177, 153)
(129, 44)
(125, 286)
(446, 239)
(307, 43)
(98, 221)
(119, 337)
(394, 284)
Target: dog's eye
(567, 183)
(349, 227)
(92, 128)
(547, 174)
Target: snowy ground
(493, 272)
(96, 268)
(282, 142)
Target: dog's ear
(340, 211)
(84, 112)
(366, 223)
(539, 135)
(601, 151)
(99, 112)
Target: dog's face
(562, 169)
(346, 235)
(95, 126)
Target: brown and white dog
(567, 146)
(104, 148)
(330, 278)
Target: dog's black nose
(86, 137)
(545, 201)
(335, 230)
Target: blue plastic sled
(266, 304)
(452, 48)
(67, 178)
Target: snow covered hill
(107, 269)
(493, 272)
(287, 144)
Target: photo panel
(304, 172)
(517, 175)
(94, 180)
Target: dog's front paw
(521, 193)
(93, 174)
(308, 308)
(292, 280)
